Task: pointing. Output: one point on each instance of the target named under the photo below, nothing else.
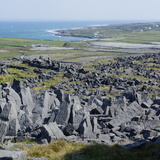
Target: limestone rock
(12, 155)
(51, 131)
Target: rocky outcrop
(12, 155)
(56, 115)
(84, 114)
(3, 69)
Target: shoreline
(82, 32)
(39, 30)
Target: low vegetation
(63, 150)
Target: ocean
(46, 29)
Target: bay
(46, 30)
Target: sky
(80, 10)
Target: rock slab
(12, 155)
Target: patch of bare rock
(3, 51)
(126, 45)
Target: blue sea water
(47, 29)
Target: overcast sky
(80, 10)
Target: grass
(141, 37)
(55, 80)
(153, 64)
(21, 73)
(57, 150)
(103, 152)
(141, 78)
(17, 42)
(14, 45)
(9, 55)
(63, 150)
(14, 73)
(9, 78)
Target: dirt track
(50, 48)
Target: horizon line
(69, 20)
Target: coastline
(94, 31)
(39, 30)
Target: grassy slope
(62, 150)
(132, 33)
